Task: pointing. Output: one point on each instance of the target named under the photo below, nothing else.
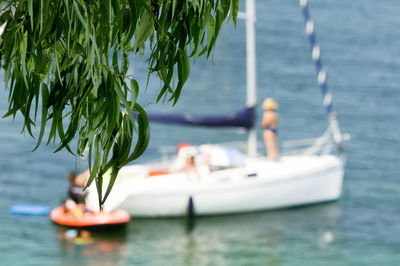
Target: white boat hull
(260, 185)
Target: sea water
(359, 43)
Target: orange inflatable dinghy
(90, 219)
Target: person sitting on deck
(185, 160)
(190, 166)
(70, 207)
(269, 123)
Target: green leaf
(79, 15)
(30, 11)
(234, 10)
(113, 177)
(143, 133)
(143, 29)
(115, 61)
(96, 165)
(45, 97)
(183, 66)
(173, 9)
(135, 91)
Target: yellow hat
(269, 104)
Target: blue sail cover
(243, 118)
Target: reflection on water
(105, 247)
(256, 239)
(302, 236)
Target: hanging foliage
(66, 62)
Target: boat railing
(308, 146)
(312, 146)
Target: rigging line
(321, 74)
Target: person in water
(269, 123)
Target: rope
(321, 75)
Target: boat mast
(251, 71)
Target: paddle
(30, 209)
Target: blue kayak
(30, 209)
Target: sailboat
(225, 180)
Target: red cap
(183, 144)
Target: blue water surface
(360, 50)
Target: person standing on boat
(269, 123)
